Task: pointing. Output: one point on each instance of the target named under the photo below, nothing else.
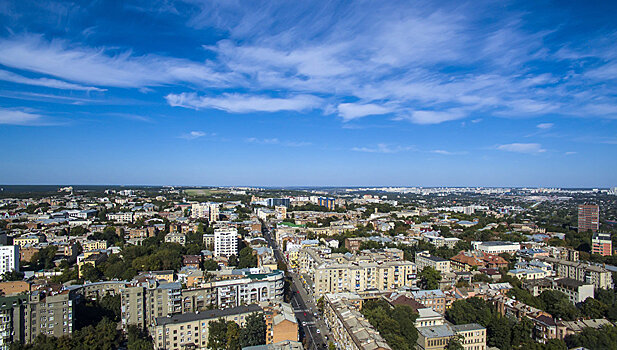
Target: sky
(309, 93)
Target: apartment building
(473, 336)
(281, 323)
(580, 271)
(496, 247)
(190, 331)
(120, 217)
(576, 291)
(27, 240)
(434, 299)
(225, 242)
(424, 259)
(588, 217)
(349, 329)
(9, 258)
(142, 302)
(146, 299)
(208, 211)
(467, 261)
(602, 244)
(26, 316)
(93, 245)
(175, 237)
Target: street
(303, 304)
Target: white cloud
(530, 148)
(61, 59)
(434, 117)
(545, 126)
(447, 153)
(237, 103)
(46, 82)
(193, 135)
(15, 117)
(272, 141)
(570, 153)
(349, 111)
(383, 148)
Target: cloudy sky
(274, 93)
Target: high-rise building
(602, 244)
(329, 203)
(209, 211)
(275, 202)
(9, 259)
(588, 217)
(226, 242)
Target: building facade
(226, 242)
(588, 217)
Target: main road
(304, 306)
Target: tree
(592, 308)
(233, 336)
(138, 339)
(429, 278)
(254, 333)
(217, 334)
(90, 272)
(13, 276)
(247, 258)
(232, 261)
(455, 343)
(331, 346)
(594, 339)
(211, 265)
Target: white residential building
(496, 247)
(205, 210)
(120, 217)
(9, 258)
(226, 242)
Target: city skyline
(314, 94)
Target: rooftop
(208, 314)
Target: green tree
(233, 336)
(429, 278)
(593, 308)
(211, 265)
(254, 333)
(455, 343)
(217, 334)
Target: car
(318, 331)
(304, 324)
(305, 314)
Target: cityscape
(316, 175)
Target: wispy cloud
(237, 103)
(193, 135)
(102, 67)
(17, 117)
(448, 153)
(46, 82)
(349, 111)
(276, 141)
(545, 126)
(570, 153)
(529, 148)
(383, 148)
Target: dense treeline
(396, 325)
(502, 332)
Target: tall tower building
(226, 242)
(588, 217)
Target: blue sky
(282, 93)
